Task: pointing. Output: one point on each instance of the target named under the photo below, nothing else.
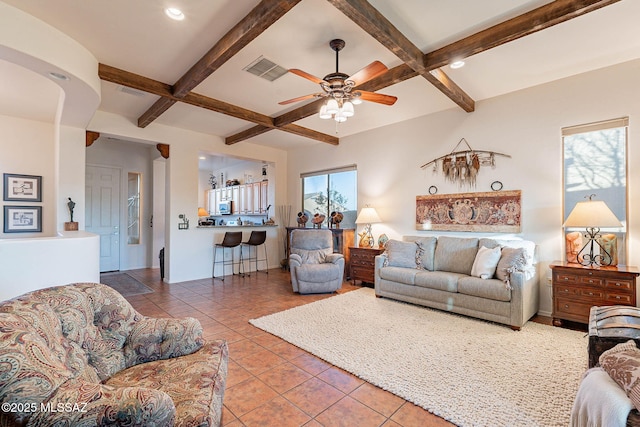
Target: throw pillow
(426, 251)
(401, 254)
(486, 262)
(512, 259)
(622, 363)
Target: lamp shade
(592, 213)
(368, 216)
(202, 212)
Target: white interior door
(103, 213)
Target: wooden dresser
(363, 264)
(577, 288)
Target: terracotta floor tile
(313, 396)
(236, 374)
(278, 412)
(243, 348)
(260, 361)
(284, 377)
(227, 416)
(340, 379)
(310, 363)
(410, 415)
(247, 396)
(286, 350)
(378, 399)
(349, 412)
(267, 340)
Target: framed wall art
(22, 188)
(22, 219)
(495, 212)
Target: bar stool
(231, 240)
(256, 239)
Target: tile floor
(271, 382)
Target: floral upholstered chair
(80, 354)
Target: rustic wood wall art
(495, 211)
(463, 166)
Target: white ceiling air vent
(269, 70)
(131, 91)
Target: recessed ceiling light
(174, 13)
(202, 158)
(58, 76)
(457, 64)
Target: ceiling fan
(338, 88)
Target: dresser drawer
(560, 289)
(626, 285)
(562, 277)
(618, 298)
(592, 281)
(572, 310)
(592, 293)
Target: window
(595, 163)
(328, 191)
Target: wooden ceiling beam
(367, 17)
(523, 25)
(145, 84)
(261, 17)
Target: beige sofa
(80, 354)
(437, 272)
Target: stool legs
(225, 262)
(254, 258)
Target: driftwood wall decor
(495, 211)
(462, 166)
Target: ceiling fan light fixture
(347, 109)
(340, 118)
(355, 99)
(323, 112)
(457, 64)
(332, 106)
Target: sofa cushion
(315, 256)
(318, 273)
(441, 280)
(493, 289)
(622, 363)
(192, 381)
(401, 254)
(484, 266)
(455, 254)
(512, 259)
(426, 252)
(399, 274)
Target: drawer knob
(590, 293)
(566, 306)
(618, 284)
(617, 296)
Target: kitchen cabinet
(248, 199)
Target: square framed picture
(22, 188)
(22, 219)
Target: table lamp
(593, 215)
(367, 216)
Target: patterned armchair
(82, 355)
(313, 265)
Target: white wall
(524, 124)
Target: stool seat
(230, 240)
(257, 238)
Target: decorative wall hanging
(463, 166)
(496, 212)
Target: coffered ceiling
(189, 73)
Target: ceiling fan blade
(369, 72)
(300, 98)
(377, 97)
(306, 75)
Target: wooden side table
(577, 288)
(363, 264)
